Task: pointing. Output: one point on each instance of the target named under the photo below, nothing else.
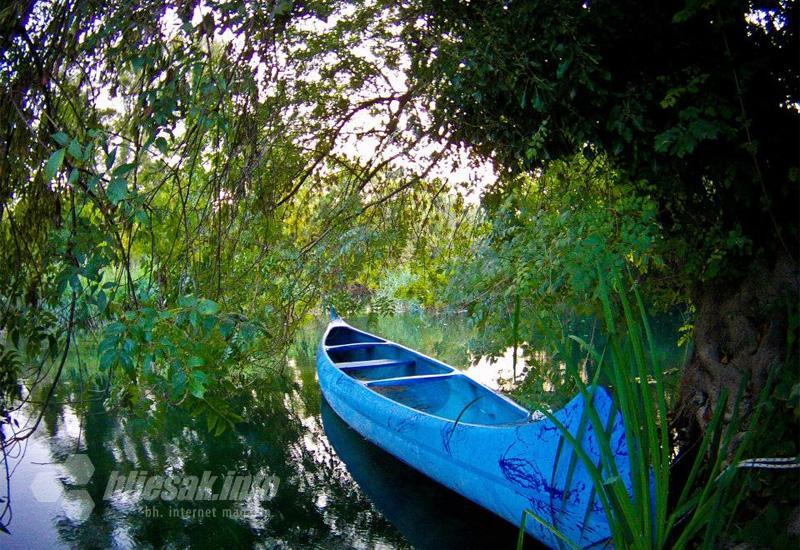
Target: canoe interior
(455, 397)
(417, 381)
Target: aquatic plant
(660, 510)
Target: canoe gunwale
(358, 345)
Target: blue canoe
(469, 438)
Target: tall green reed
(645, 517)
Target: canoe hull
(504, 468)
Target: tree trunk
(739, 334)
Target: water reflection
(336, 490)
(318, 503)
(498, 373)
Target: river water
(314, 482)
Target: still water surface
(329, 487)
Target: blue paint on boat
(469, 438)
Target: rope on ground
(777, 463)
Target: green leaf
(137, 63)
(162, 145)
(227, 327)
(75, 150)
(75, 283)
(147, 366)
(195, 361)
(123, 170)
(611, 480)
(141, 217)
(102, 301)
(53, 164)
(111, 158)
(61, 138)
(126, 361)
(178, 381)
(197, 387)
(208, 307)
(117, 190)
(107, 359)
(73, 176)
(187, 301)
(108, 343)
(209, 323)
(116, 328)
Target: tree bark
(740, 332)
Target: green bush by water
(661, 511)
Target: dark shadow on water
(426, 513)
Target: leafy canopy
(697, 102)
